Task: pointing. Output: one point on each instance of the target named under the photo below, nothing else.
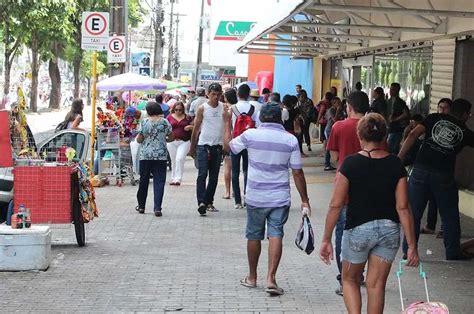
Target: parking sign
(95, 31)
(116, 52)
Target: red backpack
(244, 121)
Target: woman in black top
(375, 184)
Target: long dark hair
(76, 108)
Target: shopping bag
(305, 237)
(135, 150)
(420, 307)
(314, 131)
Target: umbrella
(251, 84)
(171, 85)
(130, 81)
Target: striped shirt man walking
(272, 152)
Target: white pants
(178, 150)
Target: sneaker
(426, 230)
(158, 213)
(211, 208)
(329, 168)
(238, 206)
(339, 291)
(140, 210)
(202, 209)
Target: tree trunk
(6, 86)
(55, 75)
(77, 68)
(34, 72)
(88, 91)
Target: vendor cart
(51, 194)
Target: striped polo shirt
(272, 152)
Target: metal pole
(199, 56)
(158, 49)
(176, 53)
(128, 61)
(170, 43)
(94, 95)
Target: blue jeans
(158, 168)
(327, 156)
(236, 173)
(393, 141)
(424, 183)
(341, 223)
(209, 163)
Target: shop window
(412, 70)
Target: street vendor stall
(51, 182)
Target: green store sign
(233, 30)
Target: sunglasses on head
(216, 87)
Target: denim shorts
(378, 237)
(273, 217)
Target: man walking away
(399, 119)
(201, 99)
(343, 141)
(272, 152)
(206, 147)
(243, 118)
(433, 171)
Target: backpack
(61, 126)
(244, 121)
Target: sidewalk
(181, 261)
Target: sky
(188, 26)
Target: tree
(86, 69)
(60, 36)
(12, 35)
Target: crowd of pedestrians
(370, 145)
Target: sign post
(95, 37)
(94, 96)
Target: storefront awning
(311, 28)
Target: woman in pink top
(182, 125)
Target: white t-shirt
(195, 104)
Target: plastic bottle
(27, 218)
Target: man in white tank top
(206, 147)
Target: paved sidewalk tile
(184, 262)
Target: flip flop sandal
(274, 291)
(247, 284)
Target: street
(184, 262)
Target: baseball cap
(270, 112)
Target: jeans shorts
(273, 217)
(378, 237)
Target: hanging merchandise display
(86, 193)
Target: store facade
(426, 49)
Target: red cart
(51, 194)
